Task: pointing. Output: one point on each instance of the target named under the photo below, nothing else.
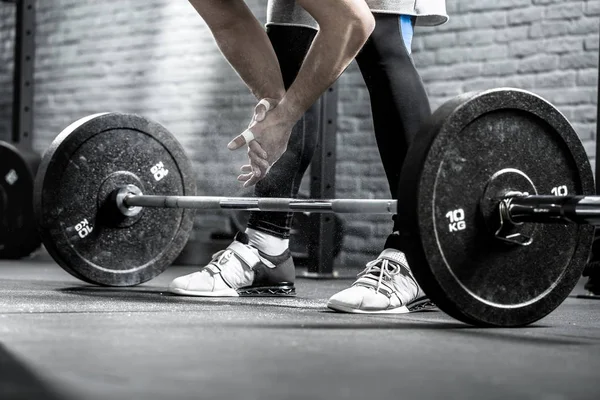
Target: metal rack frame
(22, 115)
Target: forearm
(343, 31)
(245, 45)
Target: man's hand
(267, 138)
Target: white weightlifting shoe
(385, 286)
(240, 270)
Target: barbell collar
(342, 206)
(554, 209)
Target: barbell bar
(115, 193)
(514, 209)
(338, 206)
(519, 208)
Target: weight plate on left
(76, 215)
(18, 234)
(474, 150)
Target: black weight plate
(444, 207)
(77, 221)
(18, 234)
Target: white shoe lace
(385, 268)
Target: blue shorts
(407, 30)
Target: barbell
(495, 202)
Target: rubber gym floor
(63, 339)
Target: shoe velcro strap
(213, 268)
(245, 254)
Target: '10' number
(159, 171)
(84, 228)
(457, 220)
(560, 190)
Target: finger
(236, 143)
(246, 168)
(257, 162)
(259, 165)
(244, 177)
(261, 109)
(252, 181)
(260, 112)
(257, 148)
(245, 137)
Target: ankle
(267, 243)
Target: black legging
(399, 105)
(291, 45)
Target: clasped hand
(267, 137)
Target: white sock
(268, 244)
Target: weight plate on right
(476, 148)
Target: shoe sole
(268, 291)
(220, 293)
(422, 304)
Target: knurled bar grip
(357, 206)
(554, 209)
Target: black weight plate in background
(462, 267)
(83, 165)
(18, 234)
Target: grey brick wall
(156, 57)
(547, 46)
